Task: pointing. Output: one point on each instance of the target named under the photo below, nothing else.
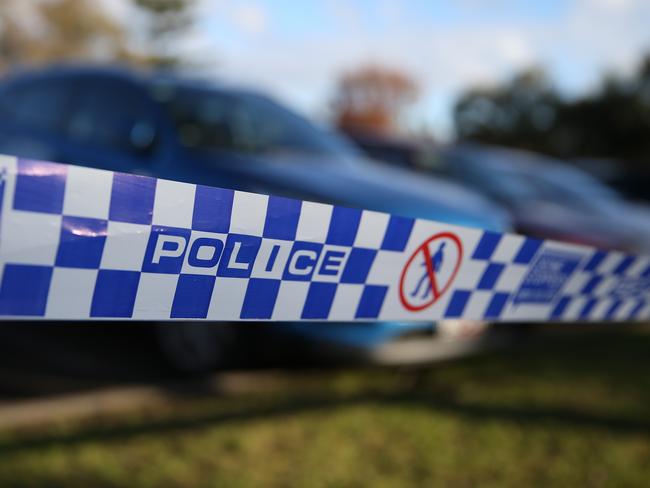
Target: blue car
(200, 132)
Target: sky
(296, 50)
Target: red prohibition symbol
(436, 290)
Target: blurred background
(531, 117)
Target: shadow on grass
(471, 412)
(476, 412)
(615, 359)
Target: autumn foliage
(40, 32)
(372, 99)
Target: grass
(570, 413)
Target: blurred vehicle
(631, 182)
(396, 151)
(198, 132)
(547, 198)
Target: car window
(574, 181)
(510, 186)
(37, 104)
(571, 193)
(111, 114)
(243, 122)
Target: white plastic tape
(80, 243)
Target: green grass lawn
(569, 413)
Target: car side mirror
(143, 138)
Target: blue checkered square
(282, 216)
(212, 209)
(132, 198)
(592, 284)
(24, 289)
(192, 297)
(397, 233)
(115, 293)
(457, 303)
(487, 245)
(490, 276)
(496, 305)
(560, 307)
(372, 299)
(528, 250)
(81, 243)
(343, 226)
(595, 260)
(40, 186)
(358, 266)
(319, 300)
(624, 265)
(588, 307)
(614, 307)
(260, 298)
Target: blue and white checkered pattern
(80, 243)
(77, 243)
(610, 286)
(529, 279)
(496, 263)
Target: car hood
(359, 335)
(360, 182)
(635, 220)
(636, 214)
(619, 227)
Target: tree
(167, 21)
(373, 99)
(80, 30)
(58, 30)
(612, 123)
(518, 113)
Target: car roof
(541, 167)
(133, 75)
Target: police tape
(81, 243)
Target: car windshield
(560, 185)
(243, 122)
(503, 183)
(563, 188)
(576, 189)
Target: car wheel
(455, 329)
(192, 347)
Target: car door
(112, 125)
(225, 135)
(34, 113)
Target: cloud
(250, 18)
(615, 5)
(576, 44)
(120, 10)
(345, 13)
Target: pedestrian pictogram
(430, 271)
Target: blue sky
(297, 49)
